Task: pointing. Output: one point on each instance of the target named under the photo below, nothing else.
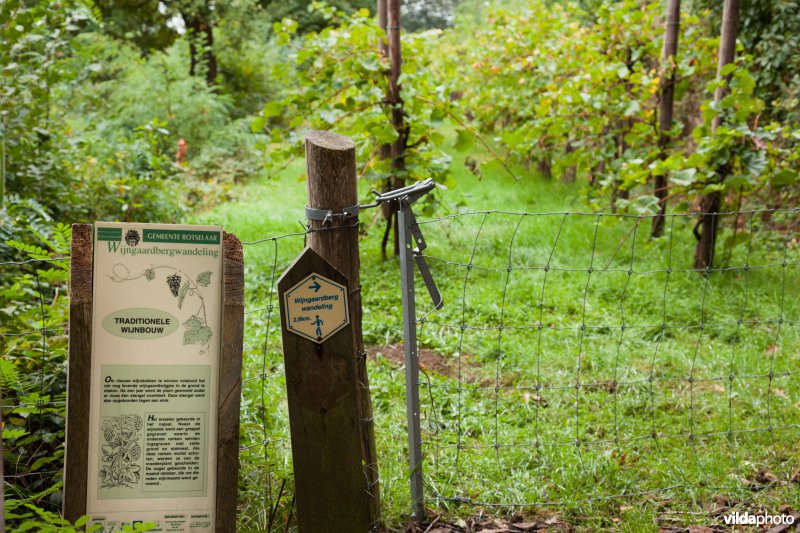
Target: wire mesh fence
(575, 360)
(586, 361)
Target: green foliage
(75, 170)
(111, 97)
(770, 33)
(308, 18)
(341, 84)
(34, 39)
(742, 154)
(33, 377)
(418, 15)
(575, 89)
(567, 95)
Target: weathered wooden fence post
(230, 383)
(331, 170)
(333, 442)
(79, 372)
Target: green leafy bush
(33, 376)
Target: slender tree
(395, 102)
(201, 44)
(385, 151)
(666, 105)
(710, 203)
(383, 45)
(146, 23)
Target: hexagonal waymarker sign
(316, 308)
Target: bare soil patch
(430, 360)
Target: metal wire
(439, 328)
(448, 480)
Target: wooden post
(230, 383)
(331, 170)
(330, 489)
(710, 203)
(668, 54)
(79, 370)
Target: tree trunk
(670, 50)
(544, 167)
(388, 209)
(708, 224)
(710, 203)
(624, 126)
(398, 147)
(727, 49)
(571, 171)
(543, 158)
(383, 46)
(201, 47)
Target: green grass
(500, 427)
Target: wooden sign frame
(80, 367)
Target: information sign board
(156, 330)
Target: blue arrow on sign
(316, 286)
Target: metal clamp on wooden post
(327, 214)
(406, 197)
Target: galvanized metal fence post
(411, 359)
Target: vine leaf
(193, 322)
(150, 274)
(204, 279)
(182, 294)
(196, 334)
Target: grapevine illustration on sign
(181, 286)
(121, 451)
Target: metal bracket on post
(406, 197)
(409, 233)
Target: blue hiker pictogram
(318, 322)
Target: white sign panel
(316, 308)
(155, 345)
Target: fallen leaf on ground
(772, 349)
(526, 526)
(766, 477)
